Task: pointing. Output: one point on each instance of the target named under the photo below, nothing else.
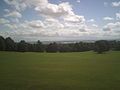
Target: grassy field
(59, 71)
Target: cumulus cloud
(94, 25)
(118, 16)
(114, 27)
(51, 23)
(11, 26)
(82, 30)
(106, 28)
(53, 10)
(91, 20)
(4, 21)
(74, 19)
(14, 14)
(21, 5)
(45, 9)
(78, 1)
(7, 10)
(116, 4)
(108, 18)
(16, 4)
(36, 24)
(36, 3)
(105, 4)
(57, 20)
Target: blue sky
(60, 19)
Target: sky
(55, 20)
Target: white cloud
(91, 20)
(78, 1)
(105, 4)
(53, 10)
(94, 25)
(11, 26)
(14, 14)
(82, 30)
(16, 4)
(4, 21)
(114, 27)
(51, 23)
(118, 16)
(74, 19)
(108, 18)
(36, 3)
(51, 20)
(36, 24)
(116, 4)
(57, 20)
(7, 10)
(45, 8)
(20, 5)
(106, 28)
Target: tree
(2, 44)
(30, 47)
(117, 47)
(39, 46)
(65, 48)
(101, 46)
(22, 46)
(10, 44)
(79, 47)
(52, 47)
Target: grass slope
(59, 71)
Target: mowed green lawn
(59, 71)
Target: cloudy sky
(60, 19)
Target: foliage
(2, 44)
(101, 46)
(98, 46)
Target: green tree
(52, 47)
(65, 48)
(39, 46)
(22, 46)
(101, 46)
(2, 44)
(10, 44)
(117, 47)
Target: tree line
(100, 46)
